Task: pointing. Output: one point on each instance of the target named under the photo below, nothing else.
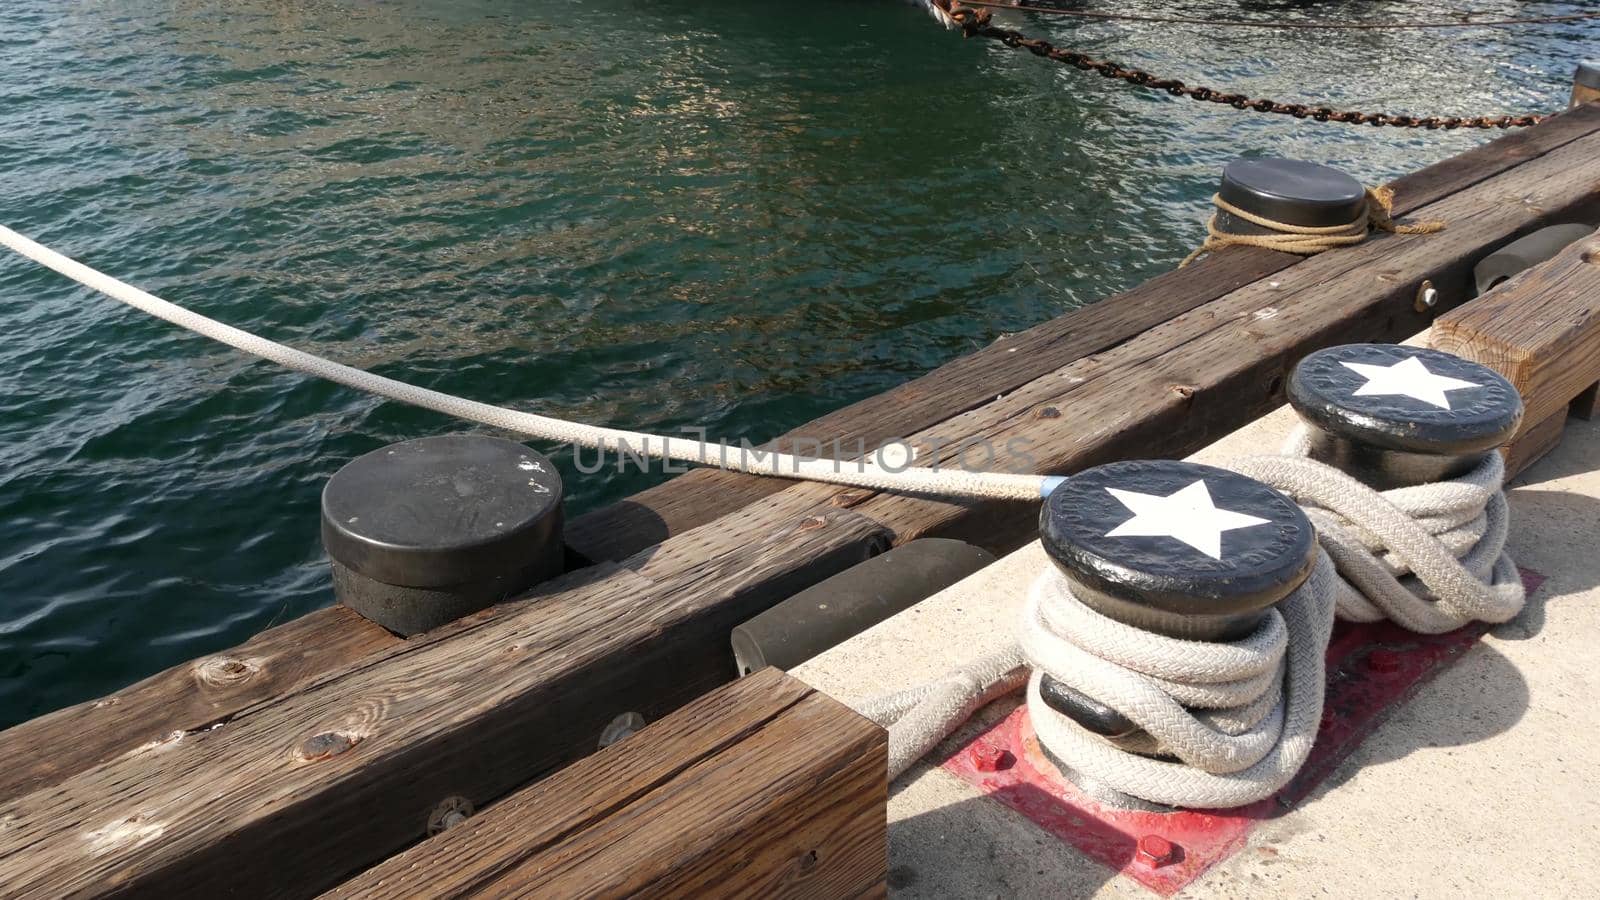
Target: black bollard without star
(426, 531)
(1289, 191)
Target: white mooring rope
(862, 474)
(1450, 535)
(1258, 699)
(1239, 717)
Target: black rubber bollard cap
(1293, 192)
(442, 511)
(1588, 74)
(1410, 399)
(1158, 543)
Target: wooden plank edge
(293, 823)
(186, 698)
(576, 798)
(1533, 442)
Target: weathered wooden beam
(1533, 442)
(763, 788)
(702, 495)
(291, 796)
(187, 698)
(1202, 374)
(1541, 329)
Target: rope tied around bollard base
(1224, 713)
(1306, 240)
(1430, 557)
(1238, 719)
(1235, 720)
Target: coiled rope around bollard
(1449, 535)
(862, 474)
(1238, 717)
(1308, 240)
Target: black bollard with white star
(1394, 416)
(1176, 548)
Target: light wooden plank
(763, 788)
(1541, 330)
(184, 699)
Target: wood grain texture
(65, 743)
(291, 796)
(1533, 442)
(1200, 375)
(184, 699)
(763, 788)
(971, 381)
(1541, 330)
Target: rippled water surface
(734, 214)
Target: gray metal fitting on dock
(1526, 252)
(832, 611)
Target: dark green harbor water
(731, 214)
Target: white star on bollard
(1407, 378)
(1188, 515)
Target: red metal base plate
(1372, 669)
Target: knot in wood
(812, 523)
(1048, 412)
(848, 499)
(327, 744)
(222, 671)
(1591, 254)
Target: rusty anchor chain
(977, 23)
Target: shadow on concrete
(1552, 533)
(978, 847)
(1479, 696)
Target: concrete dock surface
(1484, 783)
